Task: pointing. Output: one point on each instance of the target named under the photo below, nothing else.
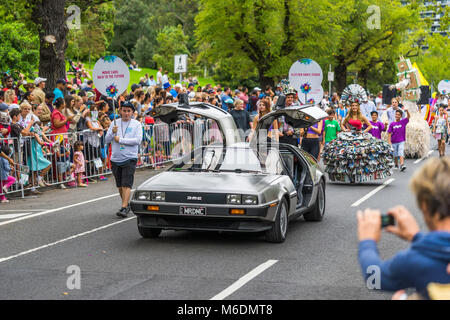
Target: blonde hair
(431, 185)
(25, 104)
(238, 102)
(77, 98)
(9, 94)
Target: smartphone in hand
(387, 220)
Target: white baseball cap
(257, 89)
(39, 80)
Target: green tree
(171, 41)
(132, 25)
(19, 49)
(364, 44)
(173, 13)
(434, 62)
(262, 36)
(95, 35)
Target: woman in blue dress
(36, 159)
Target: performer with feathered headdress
(356, 156)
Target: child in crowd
(397, 137)
(79, 161)
(159, 159)
(331, 126)
(377, 126)
(6, 179)
(63, 165)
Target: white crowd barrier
(51, 156)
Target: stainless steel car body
(210, 189)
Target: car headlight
(143, 195)
(158, 196)
(234, 199)
(249, 199)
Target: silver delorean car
(237, 186)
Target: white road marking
(242, 281)
(12, 215)
(57, 209)
(14, 210)
(419, 160)
(63, 240)
(357, 203)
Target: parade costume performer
(356, 156)
(418, 132)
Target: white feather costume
(417, 133)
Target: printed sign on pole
(444, 87)
(313, 96)
(180, 63)
(330, 76)
(305, 71)
(111, 76)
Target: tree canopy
(247, 42)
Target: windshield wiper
(239, 171)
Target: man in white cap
(39, 99)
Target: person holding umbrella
(125, 136)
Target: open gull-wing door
(173, 112)
(297, 117)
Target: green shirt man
(331, 129)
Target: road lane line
(14, 210)
(12, 215)
(371, 193)
(58, 209)
(242, 281)
(64, 240)
(419, 160)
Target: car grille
(206, 198)
(198, 223)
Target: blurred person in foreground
(427, 261)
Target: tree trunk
(49, 16)
(363, 77)
(264, 80)
(341, 77)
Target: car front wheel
(319, 208)
(279, 229)
(149, 233)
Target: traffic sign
(331, 76)
(180, 63)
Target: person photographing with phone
(428, 259)
(125, 136)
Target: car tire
(149, 233)
(279, 229)
(318, 211)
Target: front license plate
(193, 211)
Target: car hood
(224, 182)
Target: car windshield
(230, 159)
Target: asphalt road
(40, 238)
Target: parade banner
(304, 72)
(111, 76)
(314, 95)
(444, 87)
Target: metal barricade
(48, 159)
(17, 173)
